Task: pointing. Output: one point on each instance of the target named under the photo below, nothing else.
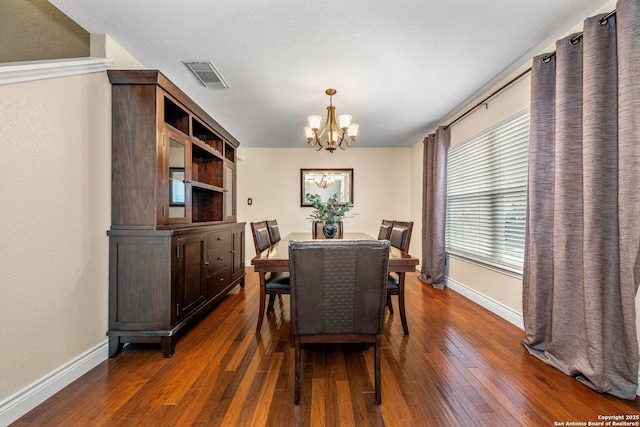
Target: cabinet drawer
(218, 258)
(219, 238)
(218, 281)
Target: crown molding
(16, 72)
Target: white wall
(55, 192)
(271, 177)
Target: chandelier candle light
(325, 181)
(341, 135)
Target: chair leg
(296, 398)
(389, 304)
(262, 302)
(272, 299)
(376, 362)
(403, 316)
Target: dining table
(276, 257)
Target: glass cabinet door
(229, 193)
(179, 197)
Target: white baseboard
(31, 396)
(507, 313)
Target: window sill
(500, 268)
(16, 72)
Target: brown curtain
(582, 253)
(434, 203)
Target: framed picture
(326, 182)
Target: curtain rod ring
(605, 19)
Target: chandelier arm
(319, 135)
(317, 145)
(347, 143)
(313, 141)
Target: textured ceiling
(400, 68)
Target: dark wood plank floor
(460, 366)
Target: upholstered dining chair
(338, 294)
(274, 231)
(400, 237)
(273, 283)
(385, 229)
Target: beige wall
(55, 192)
(501, 288)
(271, 177)
(36, 30)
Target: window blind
(487, 195)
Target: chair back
(274, 231)
(261, 239)
(316, 230)
(400, 235)
(338, 286)
(385, 229)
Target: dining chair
(271, 283)
(338, 294)
(316, 230)
(274, 231)
(400, 237)
(385, 229)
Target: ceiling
(400, 68)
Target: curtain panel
(582, 250)
(434, 207)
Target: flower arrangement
(329, 211)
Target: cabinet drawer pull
(220, 258)
(221, 238)
(221, 279)
(206, 263)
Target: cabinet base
(167, 338)
(167, 343)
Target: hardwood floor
(460, 366)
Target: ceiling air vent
(207, 74)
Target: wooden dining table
(276, 258)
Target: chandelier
(325, 181)
(341, 135)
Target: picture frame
(326, 182)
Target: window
(176, 190)
(487, 195)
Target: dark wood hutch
(175, 246)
